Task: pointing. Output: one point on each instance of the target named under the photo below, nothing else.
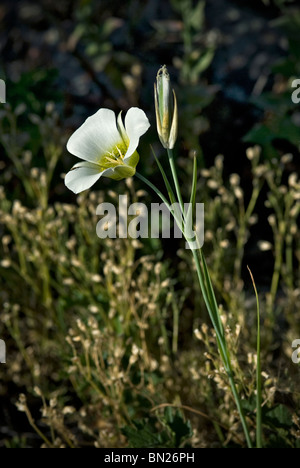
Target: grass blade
(258, 374)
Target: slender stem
(175, 327)
(156, 190)
(162, 197)
(258, 374)
(213, 311)
(175, 178)
(224, 355)
(276, 274)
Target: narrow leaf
(189, 216)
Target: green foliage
(198, 52)
(280, 421)
(34, 89)
(279, 112)
(169, 431)
(101, 334)
(278, 124)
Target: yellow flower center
(115, 157)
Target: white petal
(82, 177)
(136, 124)
(97, 136)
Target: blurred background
(232, 64)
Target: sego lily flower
(107, 147)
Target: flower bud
(166, 109)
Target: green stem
(276, 275)
(289, 262)
(175, 178)
(156, 190)
(258, 374)
(241, 238)
(175, 327)
(211, 304)
(223, 350)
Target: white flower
(107, 147)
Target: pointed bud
(165, 109)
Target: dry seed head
(253, 153)
(294, 229)
(224, 244)
(165, 283)
(272, 220)
(22, 404)
(283, 189)
(161, 341)
(69, 340)
(250, 358)
(198, 334)
(267, 204)
(76, 339)
(68, 209)
(253, 219)
(53, 402)
(141, 193)
(231, 225)
(96, 278)
(153, 364)
(238, 192)
(93, 196)
(86, 344)
(68, 410)
(206, 173)
(133, 359)
(118, 352)
(238, 329)
(264, 246)
(235, 180)
(27, 158)
(129, 182)
(68, 281)
(93, 309)
(157, 269)
(212, 184)
(136, 244)
(129, 83)
(135, 350)
(260, 170)
(43, 179)
(293, 179)
(287, 158)
(37, 391)
(112, 313)
(18, 208)
(219, 162)
(81, 325)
